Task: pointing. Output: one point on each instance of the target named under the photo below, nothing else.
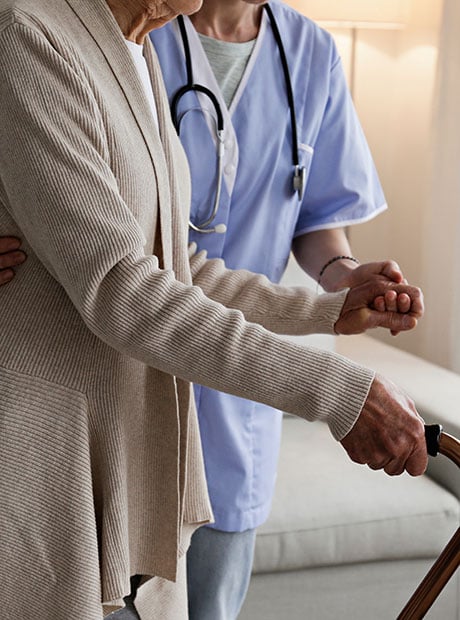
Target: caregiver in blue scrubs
(252, 214)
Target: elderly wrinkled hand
(360, 314)
(389, 434)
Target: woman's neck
(228, 20)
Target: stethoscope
(299, 174)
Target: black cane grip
(432, 436)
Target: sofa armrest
(435, 391)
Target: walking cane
(449, 560)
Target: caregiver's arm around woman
(10, 256)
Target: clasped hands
(379, 296)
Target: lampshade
(371, 13)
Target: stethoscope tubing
(190, 86)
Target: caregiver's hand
(360, 274)
(10, 256)
(378, 271)
(359, 313)
(389, 433)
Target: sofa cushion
(328, 510)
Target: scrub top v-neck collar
(203, 74)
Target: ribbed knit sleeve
(293, 311)
(59, 185)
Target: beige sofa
(344, 542)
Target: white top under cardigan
(137, 53)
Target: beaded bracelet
(335, 258)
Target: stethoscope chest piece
(298, 180)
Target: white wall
(395, 75)
(395, 80)
(441, 254)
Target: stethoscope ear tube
(201, 89)
(299, 174)
(190, 86)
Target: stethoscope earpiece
(299, 177)
(220, 229)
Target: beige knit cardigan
(109, 321)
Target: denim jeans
(218, 572)
(127, 613)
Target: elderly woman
(110, 319)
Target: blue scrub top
(262, 212)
